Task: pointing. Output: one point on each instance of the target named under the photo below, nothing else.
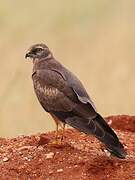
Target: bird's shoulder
(49, 77)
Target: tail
(101, 130)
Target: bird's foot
(57, 142)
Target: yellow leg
(58, 138)
(56, 133)
(58, 141)
(63, 130)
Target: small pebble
(23, 148)
(49, 155)
(110, 122)
(60, 170)
(79, 158)
(107, 153)
(20, 152)
(5, 159)
(116, 164)
(50, 172)
(40, 148)
(27, 158)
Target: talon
(59, 138)
(56, 143)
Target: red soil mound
(80, 157)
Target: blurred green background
(94, 39)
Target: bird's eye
(37, 50)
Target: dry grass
(95, 39)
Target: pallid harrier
(62, 95)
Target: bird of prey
(62, 95)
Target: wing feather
(69, 97)
(75, 84)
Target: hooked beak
(28, 55)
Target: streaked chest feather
(47, 90)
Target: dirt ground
(80, 157)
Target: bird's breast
(51, 98)
(47, 90)
(51, 92)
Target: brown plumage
(63, 96)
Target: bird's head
(39, 51)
